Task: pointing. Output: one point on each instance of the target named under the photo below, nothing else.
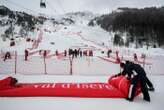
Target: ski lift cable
(60, 5)
(20, 6)
(43, 4)
(158, 3)
(2, 1)
(51, 7)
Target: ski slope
(63, 37)
(85, 69)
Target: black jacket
(132, 69)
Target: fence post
(44, 57)
(71, 61)
(45, 68)
(15, 62)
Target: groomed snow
(76, 36)
(70, 103)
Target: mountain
(14, 23)
(142, 26)
(81, 17)
(128, 25)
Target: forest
(142, 26)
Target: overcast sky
(62, 6)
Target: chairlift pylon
(42, 4)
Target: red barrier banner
(117, 88)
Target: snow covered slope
(72, 31)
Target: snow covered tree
(118, 40)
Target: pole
(15, 62)
(88, 61)
(45, 70)
(71, 61)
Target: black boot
(147, 98)
(151, 89)
(129, 99)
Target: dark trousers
(134, 83)
(148, 82)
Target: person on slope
(26, 54)
(7, 56)
(135, 73)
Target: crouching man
(136, 74)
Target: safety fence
(34, 65)
(59, 64)
(56, 65)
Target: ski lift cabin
(42, 4)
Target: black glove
(119, 74)
(13, 81)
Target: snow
(67, 103)
(85, 69)
(76, 36)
